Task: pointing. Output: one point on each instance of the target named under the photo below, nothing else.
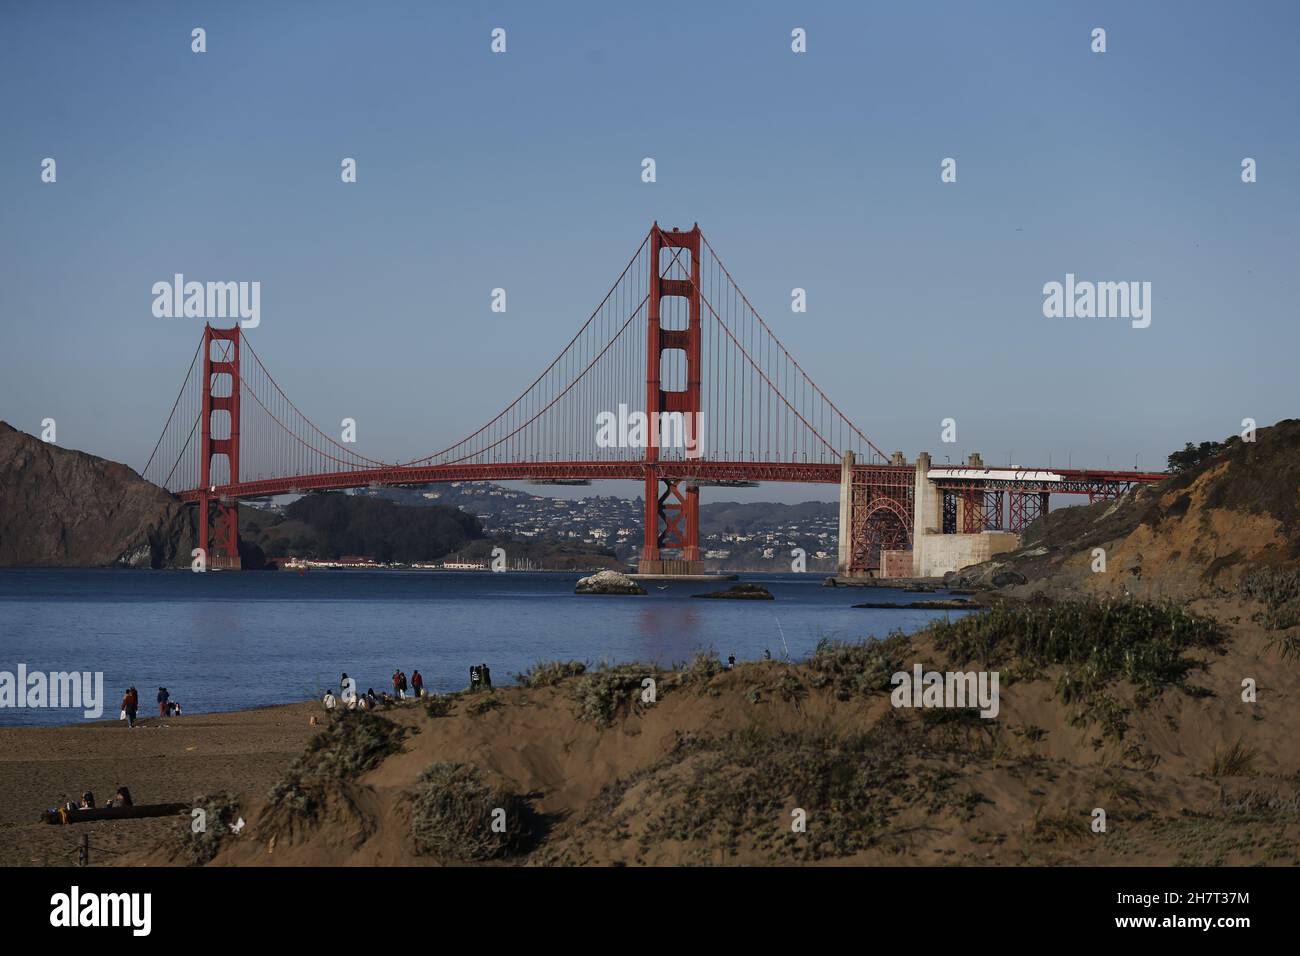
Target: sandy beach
(712, 771)
(162, 760)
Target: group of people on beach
(349, 698)
(167, 707)
(400, 684)
(87, 802)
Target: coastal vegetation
(353, 742)
(203, 835)
(457, 816)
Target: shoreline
(1024, 806)
(151, 719)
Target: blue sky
(522, 170)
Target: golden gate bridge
(673, 337)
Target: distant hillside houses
(740, 535)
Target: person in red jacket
(417, 684)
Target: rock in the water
(608, 582)
(939, 604)
(742, 592)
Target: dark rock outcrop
(741, 592)
(936, 604)
(64, 508)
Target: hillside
(1196, 531)
(334, 524)
(60, 507)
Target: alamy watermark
(53, 689)
(923, 688)
(1100, 300)
(208, 300)
(75, 908)
(633, 429)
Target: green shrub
(437, 705)
(861, 668)
(603, 692)
(453, 814)
(1236, 760)
(220, 811)
(790, 689)
(549, 674)
(354, 742)
(1096, 643)
(701, 669)
(1278, 589)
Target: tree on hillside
(1193, 455)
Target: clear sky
(522, 170)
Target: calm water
(223, 641)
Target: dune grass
(457, 816)
(353, 742)
(220, 810)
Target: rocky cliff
(66, 508)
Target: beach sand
(1021, 791)
(162, 760)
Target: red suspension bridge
(675, 340)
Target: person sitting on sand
(87, 801)
(122, 798)
(372, 698)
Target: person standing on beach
(163, 697)
(417, 684)
(128, 707)
(397, 682)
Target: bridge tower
(218, 515)
(672, 515)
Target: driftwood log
(114, 813)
